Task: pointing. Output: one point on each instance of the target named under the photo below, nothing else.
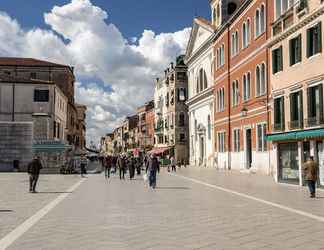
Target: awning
(158, 151)
(296, 135)
(49, 145)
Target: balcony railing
(314, 121)
(298, 124)
(278, 127)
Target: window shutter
(321, 102)
(301, 111)
(308, 103)
(291, 52)
(308, 46)
(274, 60)
(280, 59)
(319, 40)
(178, 95)
(299, 50)
(291, 108)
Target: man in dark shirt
(33, 170)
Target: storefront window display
(288, 162)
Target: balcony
(314, 121)
(298, 124)
(278, 127)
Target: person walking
(131, 167)
(121, 166)
(152, 167)
(310, 171)
(33, 170)
(83, 165)
(173, 164)
(138, 166)
(107, 166)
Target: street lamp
(244, 112)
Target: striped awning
(296, 135)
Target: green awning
(53, 146)
(296, 135)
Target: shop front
(292, 149)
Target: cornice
(206, 93)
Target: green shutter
(319, 40)
(301, 111)
(274, 62)
(282, 103)
(298, 49)
(280, 66)
(309, 45)
(321, 102)
(291, 52)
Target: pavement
(195, 208)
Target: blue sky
(114, 75)
(130, 16)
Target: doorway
(248, 148)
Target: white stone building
(199, 59)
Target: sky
(118, 47)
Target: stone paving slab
(17, 204)
(180, 214)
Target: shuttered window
(314, 40)
(277, 60)
(295, 50)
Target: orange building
(241, 85)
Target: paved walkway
(194, 209)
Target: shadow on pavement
(181, 188)
(54, 192)
(6, 211)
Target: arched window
(246, 33)
(246, 86)
(262, 19)
(260, 79)
(214, 16)
(197, 86)
(218, 15)
(257, 23)
(205, 80)
(202, 82)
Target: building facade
(171, 112)
(297, 76)
(145, 114)
(199, 59)
(80, 140)
(242, 86)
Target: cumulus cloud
(97, 49)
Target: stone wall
(15, 144)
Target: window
(209, 127)
(295, 50)
(235, 93)
(220, 56)
(246, 86)
(181, 120)
(220, 100)
(261, 142)
(277, 60)
(202, 81)
(221, 142)
(196, 127)
(236, 140)
(315, 105)
(296, 110)
(234, 44)
(33, 75)
(182, 95)
(54, 129)
(246, 33)
(181, 76)
(182, 137)
(260, 79)
(279, 114)
(41, 95)
(260, 21)
(314, 40)
(282, 6)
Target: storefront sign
(288, 173)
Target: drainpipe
(229, 96)
(268, 84)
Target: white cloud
(97, 49)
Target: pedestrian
(152, 168)
(33, 170)
(121, 166)
(107, 166)
(173, 164)
(131, 168)
(83, 165)
(310, 171)
(138, 166)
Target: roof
(18, 61)
(14, 79)
(205, 23)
